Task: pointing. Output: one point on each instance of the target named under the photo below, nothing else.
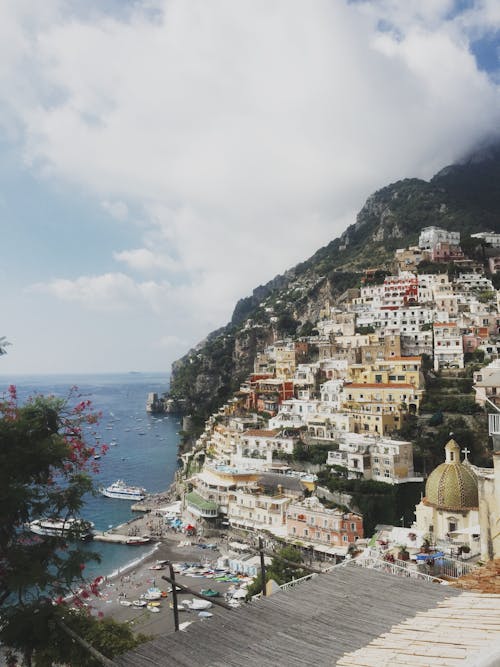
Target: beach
(133, 581)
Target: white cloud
(110, 291)
(247, 134)
(117, 209)
(144, 259)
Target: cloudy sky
(160, 158)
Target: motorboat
(123, 491)
(209, 592)
(196, 604)
(137, 541)
(153, 593)
(78, 528)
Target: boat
(197, 605)
(210, 593)
(154, 610)
(62, 527)
(123, 491)
(125, 603)
(139, 603)
(137, 541)
(152, 593)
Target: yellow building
(397, 370)
(285, 362)
(398, 397)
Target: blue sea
(145, 453)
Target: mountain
(464, 197)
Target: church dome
(452, 485)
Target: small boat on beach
(210, 593)
(196, 604)
(123, 491)
(153, 593)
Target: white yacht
(123, 491)
(61, 527)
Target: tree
(3, 344)
(280, 570)
(45, 470)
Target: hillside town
(337, 403)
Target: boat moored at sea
(123, 491)
(78, 528)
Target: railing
(289, 584)
(381, 565)
(295, 582)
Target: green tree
(45, 470)
(281, 569)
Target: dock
(106, 536)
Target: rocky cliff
(463, 197)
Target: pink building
(311, 522)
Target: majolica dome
(452, 485)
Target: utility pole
(262, 567)
(174, 597)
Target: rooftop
(350, 616)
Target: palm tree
(3, 344)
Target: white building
(490, 238)
(487, 384)
(473, 282)
(381, 459)
(448, 346)
(431, 236)
(257, 511)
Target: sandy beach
(133, 581)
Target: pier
(106, 536)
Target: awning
(438, 554)
(333, 551)
(472, 530)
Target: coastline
(132, 581)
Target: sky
(161, 158)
